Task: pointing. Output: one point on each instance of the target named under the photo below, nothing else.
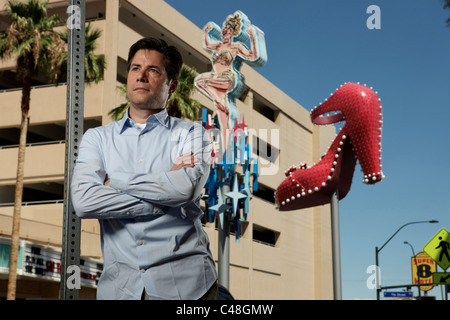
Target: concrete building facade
(281, 255)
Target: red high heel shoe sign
(360, 138)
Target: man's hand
(186, 160)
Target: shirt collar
(162, 117)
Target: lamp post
(377, 251)
(415, 262)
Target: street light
(378, 251)
(415, 262)
(412, 249)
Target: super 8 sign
(423, 268)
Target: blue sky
(313, 47)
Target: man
(138, 177)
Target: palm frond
(31, 33)
(118, 112)
(94, 65)
(180, 103)
(447, 6)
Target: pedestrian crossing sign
(438, 248)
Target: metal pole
(335, 242)
(377, 273)
(415, 262)
(418, 274)
(224, 241)
(70, 255)
(446, 291)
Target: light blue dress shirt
(151, 232)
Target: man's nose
(142, 76)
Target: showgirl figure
(228, 49)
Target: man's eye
(153, 71)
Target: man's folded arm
(131, 194)
(172, 188)
(90, 197)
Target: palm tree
(179, 105)
(447, 6)
(118, 112)
(38, 49)
(94, 65)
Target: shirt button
(128, 213)
(140, 242)
(155, 211)
(143, 270)
(140, 160)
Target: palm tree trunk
(25, 105)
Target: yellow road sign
(438, 248)
(441, 278)
(423, 268)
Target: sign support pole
(335, 242)
(70, 256)
(224, 241)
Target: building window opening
(264, 235)
(263, 107)
(41, 134)
(34, 193)
(266, 193)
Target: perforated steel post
(70, 257)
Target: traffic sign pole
(70, 255)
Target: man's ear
(173, 86)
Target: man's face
(148, 87)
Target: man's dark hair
(173, 61)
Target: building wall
(296, 266)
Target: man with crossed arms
(141, 177)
